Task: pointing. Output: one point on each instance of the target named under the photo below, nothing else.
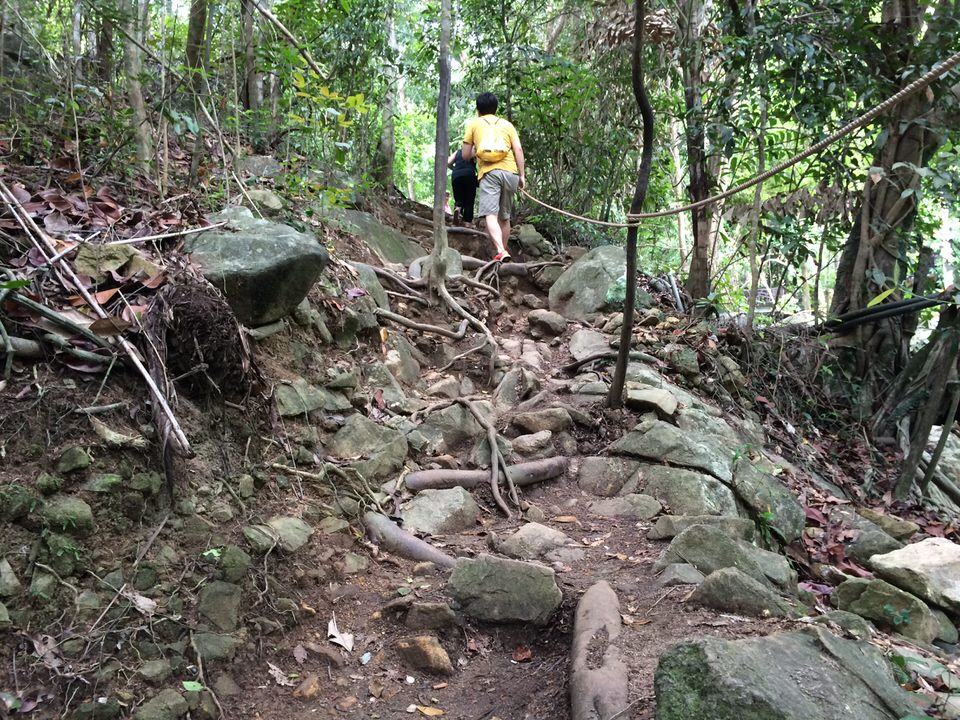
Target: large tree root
(523, 474)
(422, 327)
(392, 537)
(598, 675)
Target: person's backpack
(493, 146)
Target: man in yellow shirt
(494, 142)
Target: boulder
(261, 166)
(532, 243)
(401, 360)
(73, 459)
(662, 442)
(516, 385)
(532, 444)
(379, 378)
(605, 476)
(687, 492)
(679, 574)
(263, 268)
(533, 541)
(893, 526)
(381, 450)
(889, 607)
(423, 266)
(266, 200)
(438, 512)
(287, 533)
(497, 590)
(547, 322)
(581, 291)
(730, 590)
(430, 616)
(215, 647)
(811, 675)
(166, 705)
(668, 526)
(552, 419)
(632, 505)
(708, 549)
(847, 621)
(447, 429)
(370, 282)
(868, 538)
(767, 498)
(775, 566)
(299, 398)
(69, 515)
(586, 343)
(389, 245)
(930, 569)
(647, 399)
(425, 653)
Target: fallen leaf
(117, 440)
(355, 292)
(429, 711)
(101, 297)
(310, 687)
(344, 640)
(299, 654)
(521, 653)
(564, 519)
(142, 603)
(109, 326)
(279, 676)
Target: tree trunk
(76, 38)
(196, 29)
(143, 131)
(438, 258)
(386, 148)
(105, 47)
(692, 23)
(252, 90)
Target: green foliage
(896, 617)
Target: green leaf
(192, 686)
(881, 297)
(906, 193)
(13, 284)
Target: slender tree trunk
(105, 48)
(251, 94)
(76, 37)
(143, 131)
(196, 32)
(438, 258)
(386, 148)
(754, 239)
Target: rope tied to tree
(917, 85)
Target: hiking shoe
(502, 257)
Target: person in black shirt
(464, 180)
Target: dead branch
(462, 355)
(607, 355)
(164, 236)
(60, 320)
(422, 327)
(397, 540)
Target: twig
(60, 320)
(462, 355)
(404, 296)
(153, 536)
(404, 284)
(467, 280)
(162, 236)
(607, 355)
(422, 327)
(84, 355)
(627, 709)
(57, 576)
(100, 409)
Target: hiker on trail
(464, 181)
(494, 142)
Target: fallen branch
(598, 676)
(162, 236)
(460, 333)
(607, 355)
(464, 354)
(61, 320)
(467, 280)
(397, 540)
(523, 474)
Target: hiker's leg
(495, 231)
(490, 202)
(507, 192)
(504, 231)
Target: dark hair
(487, 103)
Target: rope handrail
(920, 83)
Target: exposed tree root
(608, 355)
(392, 537)
(523, 474)
(459, 334)
(598, 676)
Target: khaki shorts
(497, 189)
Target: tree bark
(142, 129)
(438, 258)
(386, 148)
(252, 90)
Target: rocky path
(649, 571)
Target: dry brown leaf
(299, 654)
(278, 675)
(309, 688)
(109, 326)
(101, 297)
(521, 653)
(564, 519)
(429, 711)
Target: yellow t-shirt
(477, 128)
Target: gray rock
(687, 492)
(68, 514)
(371, 283)
(532, 243)
(498, 590)
(929, 569)
(103, 483)
(766, 496)
(388, 244)
(264, 269)
(730, 590)
(430, 616)
(682, 358)
(948, 631)
(73, 459)
(810, 675)
(530, 444)
(662, 442)
(480, 454)
(299, 398)
(605, 476)
(43, 586)
(587, 343)
(166, 705)
(632, 505)
(647, 399)
(448, 387)
(547, 322)
(9, 584)
(868, 540)
(889, 607)
(214, 646)
(5, 622)
(379, 378)
(225, 686)
(516, 385)
(423, 266)
(101, 708)
(401, 360)
(155, 671)
(220, 604)
(383, 449)
(581, 291)
(438, 512)
(668, 526)
(893, 526)
(261, 166)
(266, 199)
(533, 541)
(774, 565)
(679, 574)
(552, 419)
(425, 653)
(287, 533)
(48, 484)
(708, 549)
(149, 483)
(451, 427)
(848, 621)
